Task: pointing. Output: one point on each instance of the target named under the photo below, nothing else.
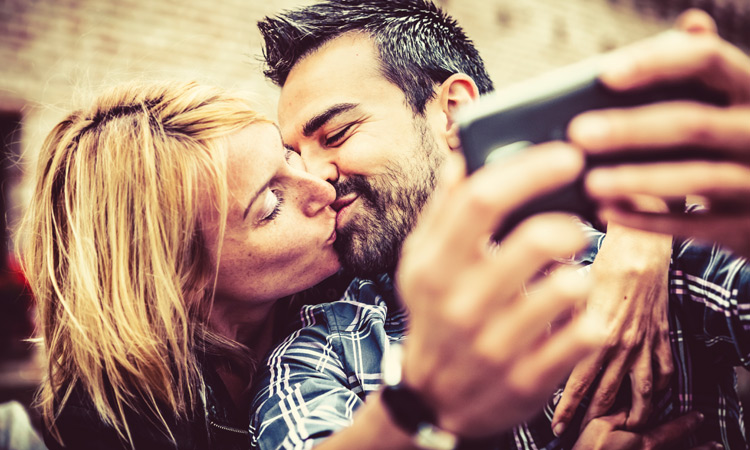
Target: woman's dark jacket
(216, 425)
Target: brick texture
(57, 52)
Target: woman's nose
(319, 194)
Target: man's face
(354, 128)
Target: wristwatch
(407, 409)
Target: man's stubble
(370, 243)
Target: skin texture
(609, 432)
(471, 310)
(630, 291)
(698, 54)
(266, 256)
(461, 327)
(695, 52)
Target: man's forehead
(354, 48)
(337, 72)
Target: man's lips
(341, 206)
(342, 202)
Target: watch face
(410, 413)
(407, 410)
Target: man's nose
(320, 166)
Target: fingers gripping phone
(539, 110)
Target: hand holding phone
(539, 110)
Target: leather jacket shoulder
(214, 425)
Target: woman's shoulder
(80, 426)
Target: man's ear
(453, 94)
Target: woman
(165, 223)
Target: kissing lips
(343, 206)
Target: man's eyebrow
(318, 121)
(253, 198)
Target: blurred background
(56, 53)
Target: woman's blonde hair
(113, 248)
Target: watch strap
(408, 410)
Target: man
(384, 177)
(309, 80)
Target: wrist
(408, 410)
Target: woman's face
(280, 226)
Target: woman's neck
(248, 323)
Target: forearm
(372, 428)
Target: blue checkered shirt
(314, 381)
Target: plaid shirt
(318, 376)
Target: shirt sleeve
(304, 394)
(710, 294)
(594, 239)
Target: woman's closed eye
(271, 205)
(293, 158)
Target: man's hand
(608, 433)
(630, 275)
(695, 53)
(479, 350)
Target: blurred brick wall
(56, 52)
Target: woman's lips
(332, 237)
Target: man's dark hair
(419, 44)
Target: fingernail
(700, 417)
(717, 446)
(558, 429)
(590, 130)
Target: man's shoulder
(367, 314)
(365, 301)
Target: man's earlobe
(452, 137)
(456, 92)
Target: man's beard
(390, 203)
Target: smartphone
(539, 110)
